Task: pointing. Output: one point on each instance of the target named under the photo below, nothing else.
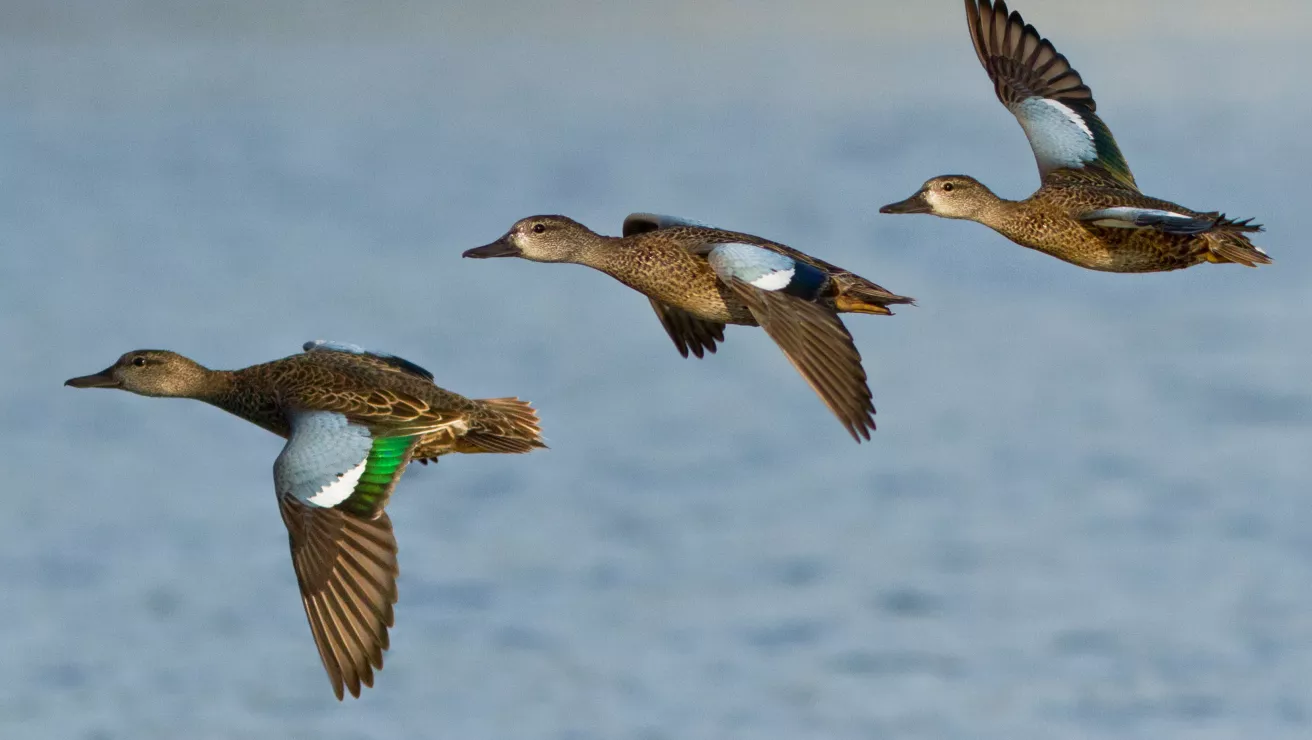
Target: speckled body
(1049, 222)
(696, 285)
(364, 389)
(355, 421)
(1089, 211)
(670, 266)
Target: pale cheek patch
(339, 490)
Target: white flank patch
(339, 490)
(777, 280)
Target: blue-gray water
(1085, 512)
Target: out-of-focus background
(1085, 513)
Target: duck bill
(499, 248)
(102, 379)
(914, 204)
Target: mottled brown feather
(688, 332)
(1021, 63)
(346, 568)
(818, 345)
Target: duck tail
(1226, 242)
(504, 425)
(862, 296)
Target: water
(1083, 515)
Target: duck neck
(996, 212)
(598, 252)
(215, 387)
(245, 394)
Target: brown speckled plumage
(345, 561)
(666, 260)
(1054, 105)
(1050, 222)
(387, 399)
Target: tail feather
(858, 295)
(1226, 243)
(507, 425)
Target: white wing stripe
(1071, 115)
(339, 490)
(323, 459)
(777, 280)
(1058, 135)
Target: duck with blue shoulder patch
(353, 420)
(1088, 210)
(700, 278)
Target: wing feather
(1047, 96)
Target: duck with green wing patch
(700, 278)
(1088, 210)
(353, 420)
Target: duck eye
(539, 228)
(947, 187)
(139, 361)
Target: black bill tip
(102, 379)
(915, 204)
(499, 248)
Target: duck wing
(333, 479)
(1047, 96)
(688, 332)
(781, 293)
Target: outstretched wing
(688, 332)
(333, 479)
(780, 292)
(1047, 96)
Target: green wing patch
(383, 467)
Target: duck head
(540, 239)
(149, 372)
(949, 196)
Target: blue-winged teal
(352, 420)
(700, 278)
(1088, 211)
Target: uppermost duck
(1088, 210)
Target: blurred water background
(1085, 512)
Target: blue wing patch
(328, 345)
(641, 223)
(766, 269)
(323, 460)
(1059, 136)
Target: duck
(353, 419)
(1088, 210)
(700, 278)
